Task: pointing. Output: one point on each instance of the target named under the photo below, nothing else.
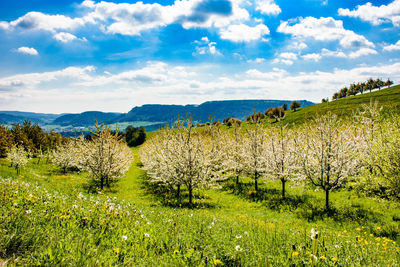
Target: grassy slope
(388, 97)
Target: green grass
(389, 98)
(49, 218)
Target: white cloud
(362, 52)
(288, 55)
(257, 60)
(28, 51)
(392, 47)
(314, 56)
(329, 53)
(64, 37)
(205, 46)
(41, 21)
(268, 7)
(324, 29)
(375, 14)
(244, 33)
(283, 61)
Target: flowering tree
(106, 157)
(18, 157)
(234, 152)
(327, 153)
(68, 155)
(254, 150)
(281, 157)
(183, 156)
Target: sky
(71, 56)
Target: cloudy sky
(72, 56)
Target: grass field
(49, 218)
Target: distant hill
(388, 98)
(86, 118)
(9, 117)
(217, 109)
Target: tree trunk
(101, 182)
(190, 189)
(178, 191)
(326, 199)
(237, 180)
(256, 181)
(283, 187)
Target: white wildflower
(124, 237)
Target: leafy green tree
(294, 105)
(388, 83)
(284, 107)
(275, 113)
(6, 141)
(135, 136)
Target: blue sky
(72, 56)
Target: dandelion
(116, 250)
(124, 237)
(334, 259)
(322, 257)
(176, 251)
(146, 235)
(314, 234)
(217, 262)
(358, 229)
(28, 212)
(295, 254)
(238, 248)
(378, 228)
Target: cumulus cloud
(375, 14)
(257, 60)
(392, 47)
(329, 53)
(244, 33)
(205, 46)
(313, 56)
(363, 52)
(28, 51)
(268, 7)
(324, 29)
(64, 37)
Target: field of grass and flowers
(51, 218)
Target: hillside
(389, 98)
(9, 117)
(217, 109)
(86, 118)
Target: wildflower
(176, 251)
(28, 212)
(358, 229)
(238, 236)
(314, 234)
(313, 257)
(322, 257)
(85, 218)
(334, 259)
(295, 254)
(146, 235)
(137, 222)
(238, 248)
(116, 250)
(74, 206)
(124, 237)
(378, 228)
(217, 262)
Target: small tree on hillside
(327, 153)
(234, 150)
(18, 157)
(388, 83)
(275, 113)
(135, 136)
(294, 105)
(284, 107)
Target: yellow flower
(378, 228)
(176, 251)
(358, 229)
(85, 218)
(217, 262)
(295, 254)
(345, 231)
(116, 250)
(322, 258)
(334, 259)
